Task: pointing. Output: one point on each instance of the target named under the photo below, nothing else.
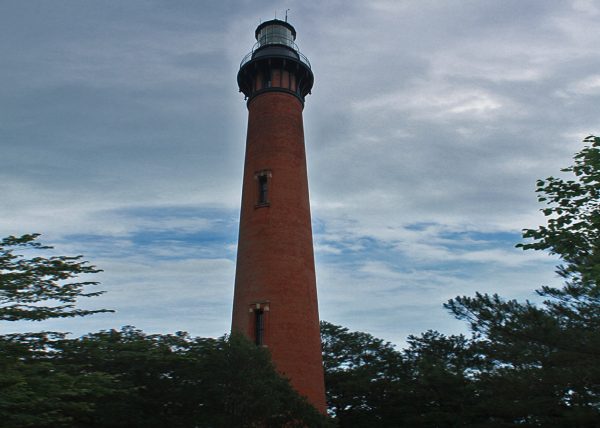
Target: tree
(360, 371)
(440, 390)
(371, 384)
(573, 210)
(180, 381)
(124, 378)
(130, 379)
(39, 288)
(34, 391)
(545, 360)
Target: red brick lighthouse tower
(275, 300)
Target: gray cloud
(120, 122)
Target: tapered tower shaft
(275, 299)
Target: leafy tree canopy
(545, 360)
(37, 288)
(124, 378)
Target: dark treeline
(124, 378)
(523, 365)
(128, 379)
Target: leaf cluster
(369, 383)
(573, 217)
(36, 288)
(525, 365)
(544, 360)
(127, 378)
(124, 378)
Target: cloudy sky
(122, 138)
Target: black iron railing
(290, 44)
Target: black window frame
(259, 327)
(263, 188)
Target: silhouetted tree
(360, 372)
(124, 378)
(180, 381)
(37, 288)
(34, 392)
(371, 384)
(546, 358)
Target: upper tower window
(263, 179)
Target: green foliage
(124, 378)
(526, 365)
(360, 370)
(573, 210)
(371, 384)
(544, 361)
(439, 390)
(34, 390)
(129, 379)
(38, 288)
(180, 381)
(36, 393)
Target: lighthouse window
(263, 188)
(263, 182)
(275, 34)
(259, 327)
(267, 79)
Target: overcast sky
(122, 137)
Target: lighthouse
(275, 297)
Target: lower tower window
(258, 323)
(259, 327)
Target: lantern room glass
(275, 35)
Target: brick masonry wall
(275, 261)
